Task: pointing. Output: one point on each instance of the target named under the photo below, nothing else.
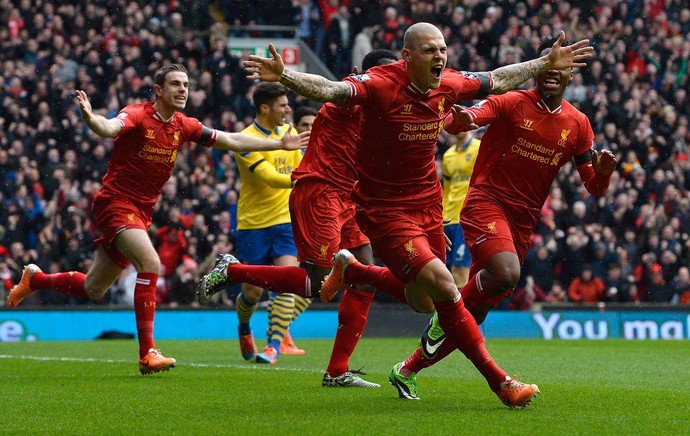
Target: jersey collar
(543, 105)
(416, 89)
(266, 132)
(464, 146)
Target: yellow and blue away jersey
(265, 182)
(458, 162)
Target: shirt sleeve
(469, 86)
(197, 132)
(261, 169)
(128, 118)
(365, 87)
(488, 110)
(596, 184)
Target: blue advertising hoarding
(47, 325)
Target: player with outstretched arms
(147, 138)
(398, 193)
(530, 135)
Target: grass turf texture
(588, 387)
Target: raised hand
(570, 56)
(265, 69)
(604, 162)
(461, 121)
(295, 142)
(84, 105)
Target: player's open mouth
(552, 83)
(436, 72)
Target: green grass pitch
(588, 387)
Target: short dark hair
(303, 111)
(378, 57)
(266, 93)
(548, 42)
(159, 77)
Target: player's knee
(505, 278)
(419, 302)
(423, 307)
(252, 295)
(151, 265)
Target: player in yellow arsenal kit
(264, 231)
(458, 162)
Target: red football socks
(471, 295)
(381, 278)
(145, 309)
(68, 283)
(462, 329)
(417, 362)
(352, 318)
(279, 279)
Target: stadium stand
(635, 92)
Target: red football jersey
(522, 150)
(400, 127)
(331, 152)
(145, 152)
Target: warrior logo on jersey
(407, 109)
(564, 137)
(411, 251)
(150, 133)
(527, 124)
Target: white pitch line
(245, 366)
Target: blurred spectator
(680, 286)
(527, 295)
(619, 288)
(309, 24)
(657, 290)
(171, 244)
(586, 288)
(339, 40)
(557, 294)
(540, 265)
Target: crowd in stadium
(631, 245)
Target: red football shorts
(488, 230)
(114, 215)
(405, 240)
(323, 222)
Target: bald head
(425, 54)
(417, 31)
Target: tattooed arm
(313, 86)
(316, 87)
(559, 58)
